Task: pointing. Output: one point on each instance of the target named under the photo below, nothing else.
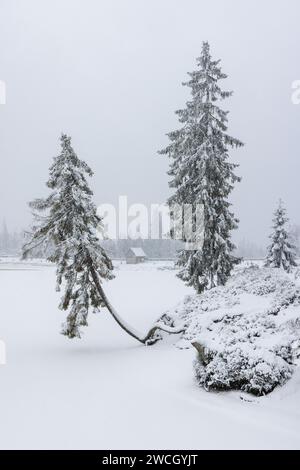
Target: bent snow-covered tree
(281, 252)
(67, 222)
(201, 174)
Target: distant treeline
(10, 242)
(11, 245)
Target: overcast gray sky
(109, 73)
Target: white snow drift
(247, 333)
(106, 391)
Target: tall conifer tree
(67, 222)
(201, 174)
(67, 228)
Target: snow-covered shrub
(257, 371)
(247, 333)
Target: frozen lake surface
(107, 391)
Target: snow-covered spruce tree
(281, 252)
(202, 174)
(67, 222)
(70, 228)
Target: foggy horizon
(109, 74)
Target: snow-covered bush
(244, 367)
(247, 333)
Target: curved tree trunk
(131, 331)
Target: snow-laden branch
(149, 337)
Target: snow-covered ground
(106, 391)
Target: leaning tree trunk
(149, 337)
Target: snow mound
(247, 333)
